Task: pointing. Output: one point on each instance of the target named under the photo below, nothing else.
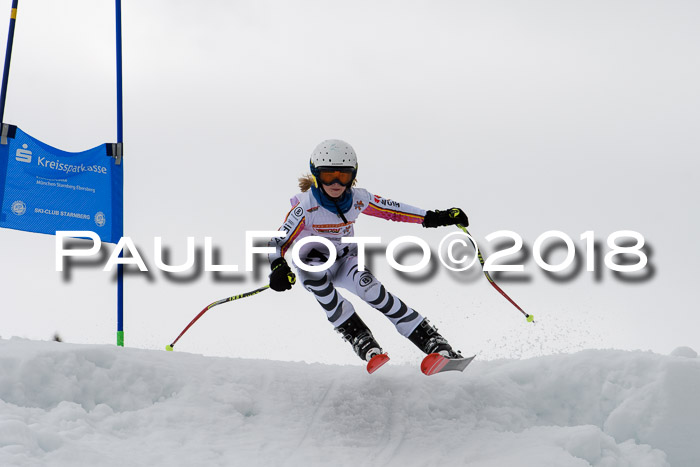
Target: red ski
(436, 363)
(376, 362)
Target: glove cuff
(431, 219)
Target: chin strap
(340, 213)
(335, 202)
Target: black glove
(450, 217)
(281, 278)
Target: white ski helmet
(333, 153)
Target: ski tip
(436, 363)
(376, 362)
(169, 348)
(433, 363)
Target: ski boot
(429, 341)
(356, 332)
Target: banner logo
(100, 219)
(23, 155)
(19, 208)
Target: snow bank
(68, 405)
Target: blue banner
(43, 189)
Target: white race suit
(307, 217)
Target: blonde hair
(308, 180)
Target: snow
(684, 352)
(66, 405)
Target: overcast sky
(546, 115)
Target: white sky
(536, 116)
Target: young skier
(328, 206)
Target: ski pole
(212, 305)
(530, 318)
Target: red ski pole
(530, 318)
(212, 305)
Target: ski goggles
(329, 176)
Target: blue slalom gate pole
(120, 140)
(8, 55)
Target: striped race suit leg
(345, 273)
(320, 284)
